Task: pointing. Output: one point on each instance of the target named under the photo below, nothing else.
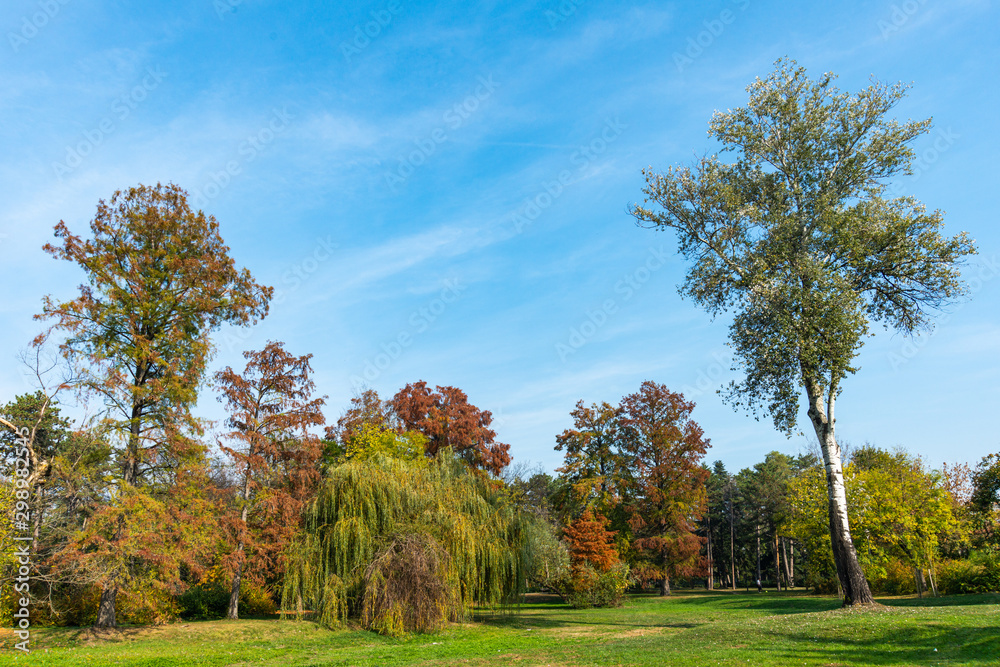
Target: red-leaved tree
(664, 490)
(447, 419)
(589, 542)
(271, 410)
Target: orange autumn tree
(159, 281)
(597, 575)
(589, 542)
(276, 457)
(664, 489)
(447, 419)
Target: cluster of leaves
(639, 464)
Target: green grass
(685, 629)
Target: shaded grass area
(685, 629)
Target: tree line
(135, 511)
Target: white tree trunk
(852, 580)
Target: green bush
(210, 600)
(589, 588)
(979, 574)
(898, 580)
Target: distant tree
(770, 491)
(271, 412)
(797, 237)
(957, 478)
(592, 460)
(664, 488)
(985, 499)
(447, 419)
(34, 423)
(367, 408)
(720, 524)
(160, 280)
(369, 441)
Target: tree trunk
(757, 531)
(665, 586)
(918, 577)
(711, 562)
(789, 578)
(777, 565)
(106, 610)
(732, 543)
(36, 518)
(233, 613)
(849, 573)
(791, 566)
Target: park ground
(687, 628)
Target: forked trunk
(106, 610)
(851, 577)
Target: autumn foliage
(447, 419)
(159, 281)
(591, 543)
(271, 410)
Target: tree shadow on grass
(773, 603)
(924, 644)
(943, 601)
(562, 615)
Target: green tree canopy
(797, 238)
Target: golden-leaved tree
(159, 281)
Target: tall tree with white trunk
(798, 237)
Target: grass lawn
(688, 628)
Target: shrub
(979, 574)
(897, 579)
(147, 605)
(589, 587)
(209, 599)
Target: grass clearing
(688, 628)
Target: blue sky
(440, 191)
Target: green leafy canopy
(797, 236)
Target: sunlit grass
(685, 629)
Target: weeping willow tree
(404, 545)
